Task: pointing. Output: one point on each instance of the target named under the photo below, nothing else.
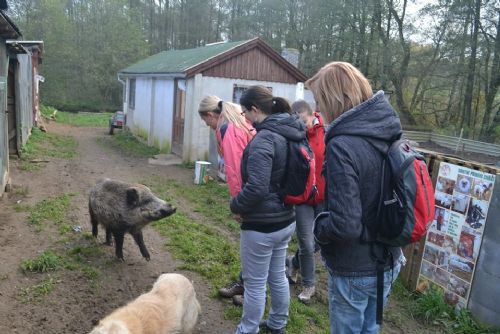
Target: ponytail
(262, 98)
(280, 105)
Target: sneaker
(306, 294)
(263, 326)
(235, 288)
(291, 272)
(238, 300)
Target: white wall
(152, 117)
(202, 139)
(196, 133)
(141, 116)
(162, 120)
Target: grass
(42, 145)
(203, 249)
(51, 209)
(125, 142)
(210, 200)
(431, 311)
(47, 261)
(36, 292)
(89, 119)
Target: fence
(454, 143)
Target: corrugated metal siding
(251, 65)
(4, 148)
(25, 97)
(465, 145)
(487, 275)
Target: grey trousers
(304, 258)
(263, 260)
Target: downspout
(125, 98)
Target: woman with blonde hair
(362, 127)
(233, 133)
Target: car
(117, 120)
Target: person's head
(302, 109)
(210, 109)
(258, 103)
(338, 87)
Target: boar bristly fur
(125, 208)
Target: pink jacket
(233, 143)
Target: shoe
(291, 272)
(235, 288)
(238, 300)
(306, 294)
(266, 329)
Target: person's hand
(238, 218)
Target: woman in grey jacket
(362, 127)
(267, 224)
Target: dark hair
(301, 106)
(262, 98)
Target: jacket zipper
(425, 190)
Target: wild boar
(122, 207)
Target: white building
(162, 92)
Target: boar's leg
(140, 242)
(108, 237)
(93, 221)
(119, 235)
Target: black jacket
(263, 169)
(354, 145)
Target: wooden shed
(162, 92)
(8, 30)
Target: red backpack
(299, 184)
(406, 205)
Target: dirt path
(74, 306)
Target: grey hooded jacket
(355, 142)
(263, 170)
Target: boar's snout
(168, 211)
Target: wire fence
(455, 143)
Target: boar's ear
(132, 197)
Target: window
(238, 90)
(131, 94)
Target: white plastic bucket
(201, 169)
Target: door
(11, 109)
(179, 113)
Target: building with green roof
(163, 91)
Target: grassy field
(92, 119)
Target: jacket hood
(286, 125)
(373, 119)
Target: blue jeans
(263, 260)
(353, 302)
(304, 258)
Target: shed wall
(25, 97)
(223, 88)
(161, 136)
(4, 148)
(142, 112)
(486, 282)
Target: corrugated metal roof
(178, 61)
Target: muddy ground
(74, 305)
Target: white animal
(170, 307)
(464, 185)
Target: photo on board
(464, 184)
